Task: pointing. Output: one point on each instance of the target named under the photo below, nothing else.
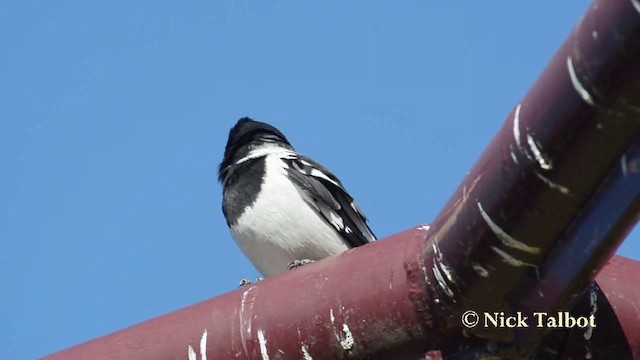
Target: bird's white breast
(281, 226)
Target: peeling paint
(305, 353)
(511, 260)
(584, 94)
(423, 227)
(263, 345)
(480, 270)
(348, 342)
(594, 34)
(505, 238)
(538, 155)
(555, 186)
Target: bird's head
(247, 135)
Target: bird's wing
(324, 192)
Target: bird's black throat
(242, 184)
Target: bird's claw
(299, 263)
(247, 282)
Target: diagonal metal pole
(540, 213)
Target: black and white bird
(284, 209)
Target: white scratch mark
(192, 353)
(538, 155)
(439, 261)
(516, 134)
(516, 125)
(594, 34)
(333, 324)
(203, 345)
(348, 342)
(513, 156)
(464, 193)
(623, 164)
(511, 260)
(584, 94)
(245, 322)
(423, 227)
(636, 4)
(555, 186)
(263, 345)
(448, 272)
(593, 300)
(505, 238)
(441, 282)
(305, 352)
(480, 270)
(588, 355)
(474, 183)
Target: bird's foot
(299, 263)
(247, 282)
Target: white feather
(281, 226)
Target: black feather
(330, 192)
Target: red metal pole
(539, 214)
(619, 281)
(366, 302)
(377, 303)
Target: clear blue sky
(114, 117)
